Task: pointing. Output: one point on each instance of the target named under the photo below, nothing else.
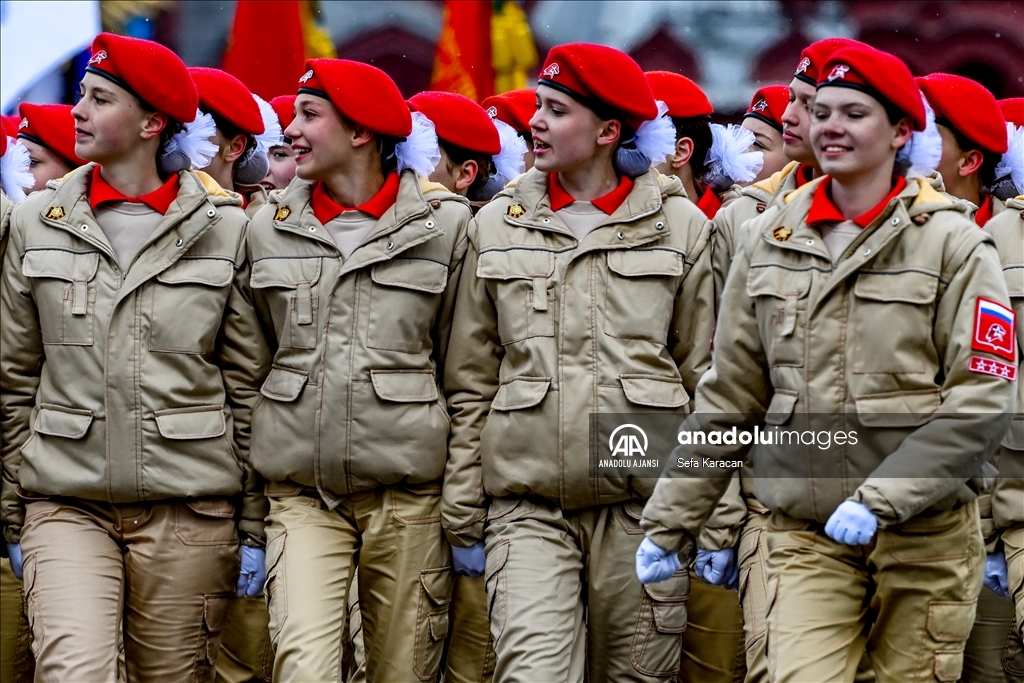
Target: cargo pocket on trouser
(949, 624)
(656, 649)
(752, 583)
(215, 611)
(432, 620)
(35, 625)
(275, 591)
(495, 584)
(1013, 653)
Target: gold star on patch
(516, 211)
(782, 233)
(282, 213)
(55, 213)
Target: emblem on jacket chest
(55, 213)
(782, 233)
(282, 213)
(516, 211)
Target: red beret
(968, 107)
(458, 120)
(768, 105)
(10, 124)
(684, 98)
(361, 92)
(227, 98)
(880, 74)
(149, 70)
(602, 78)
(284, 107)
(1013, 110)
(3, 142)
(816, 54)
(515, 108)
(53, 127)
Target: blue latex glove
(14, 552)
(654, 563)
(852, 523)
(469, 561)
(253, 572)
(718, 567)
(995, 574)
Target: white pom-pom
(657, 138)
(924, 150)
(509, 162)
(419, 151)
(272, 132)
(1012, 163)
(15, 177)
(729, 156)
(194, 141)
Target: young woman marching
(355, 267)
(587, 289)
(127, 372)
(866, 300)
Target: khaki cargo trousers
(920, 581)
(162, 572)
(16, 663)
(405, 583)
(564, 601)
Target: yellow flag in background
(512, 50)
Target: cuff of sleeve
(467, 536)
(873, 500)
(719, 539)
(673, 540)
(251, 532)
(12, 534)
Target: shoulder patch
(994, 329)
(996, 368)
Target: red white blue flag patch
(995, 330)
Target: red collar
(708, 202)
(823, 210)
(160, 199)
(326, 209)
(804, 175)
(984, 213)
(608, 203)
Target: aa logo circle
(628, 441)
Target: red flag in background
(462, 62)
(266, 50)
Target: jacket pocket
(405, 386)
(201, 422)
(898, 408)
(903, 305)
(404, 298)
(436, 587)
(780, 299)
(187, 305)
(289, 286)
(67, 423)
(640, 293)
(64, 288)
(655, 647)
(521, 392)
(284, 384)
(521, 286)
(781, 407)
(653, 391)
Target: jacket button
(179, 243)
(211, 213)
(659, 226)
(429, 224)
(391, 245)
(809, 242)
(867, 251)
(895, 221)
(620, 235)
(312, 228)
(84, 226)
(546, 220)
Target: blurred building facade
(730, 48)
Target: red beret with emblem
(10, 124)
(968, 107)
(53, 127)
(361, 92)
(1013, 110)
(149, 70)
(814, 56)
(882, 75)
(604, 79)
(515, 108)
(284, 107)
(227, 98)
(458, 120)
(768, 105)
(683, 97)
